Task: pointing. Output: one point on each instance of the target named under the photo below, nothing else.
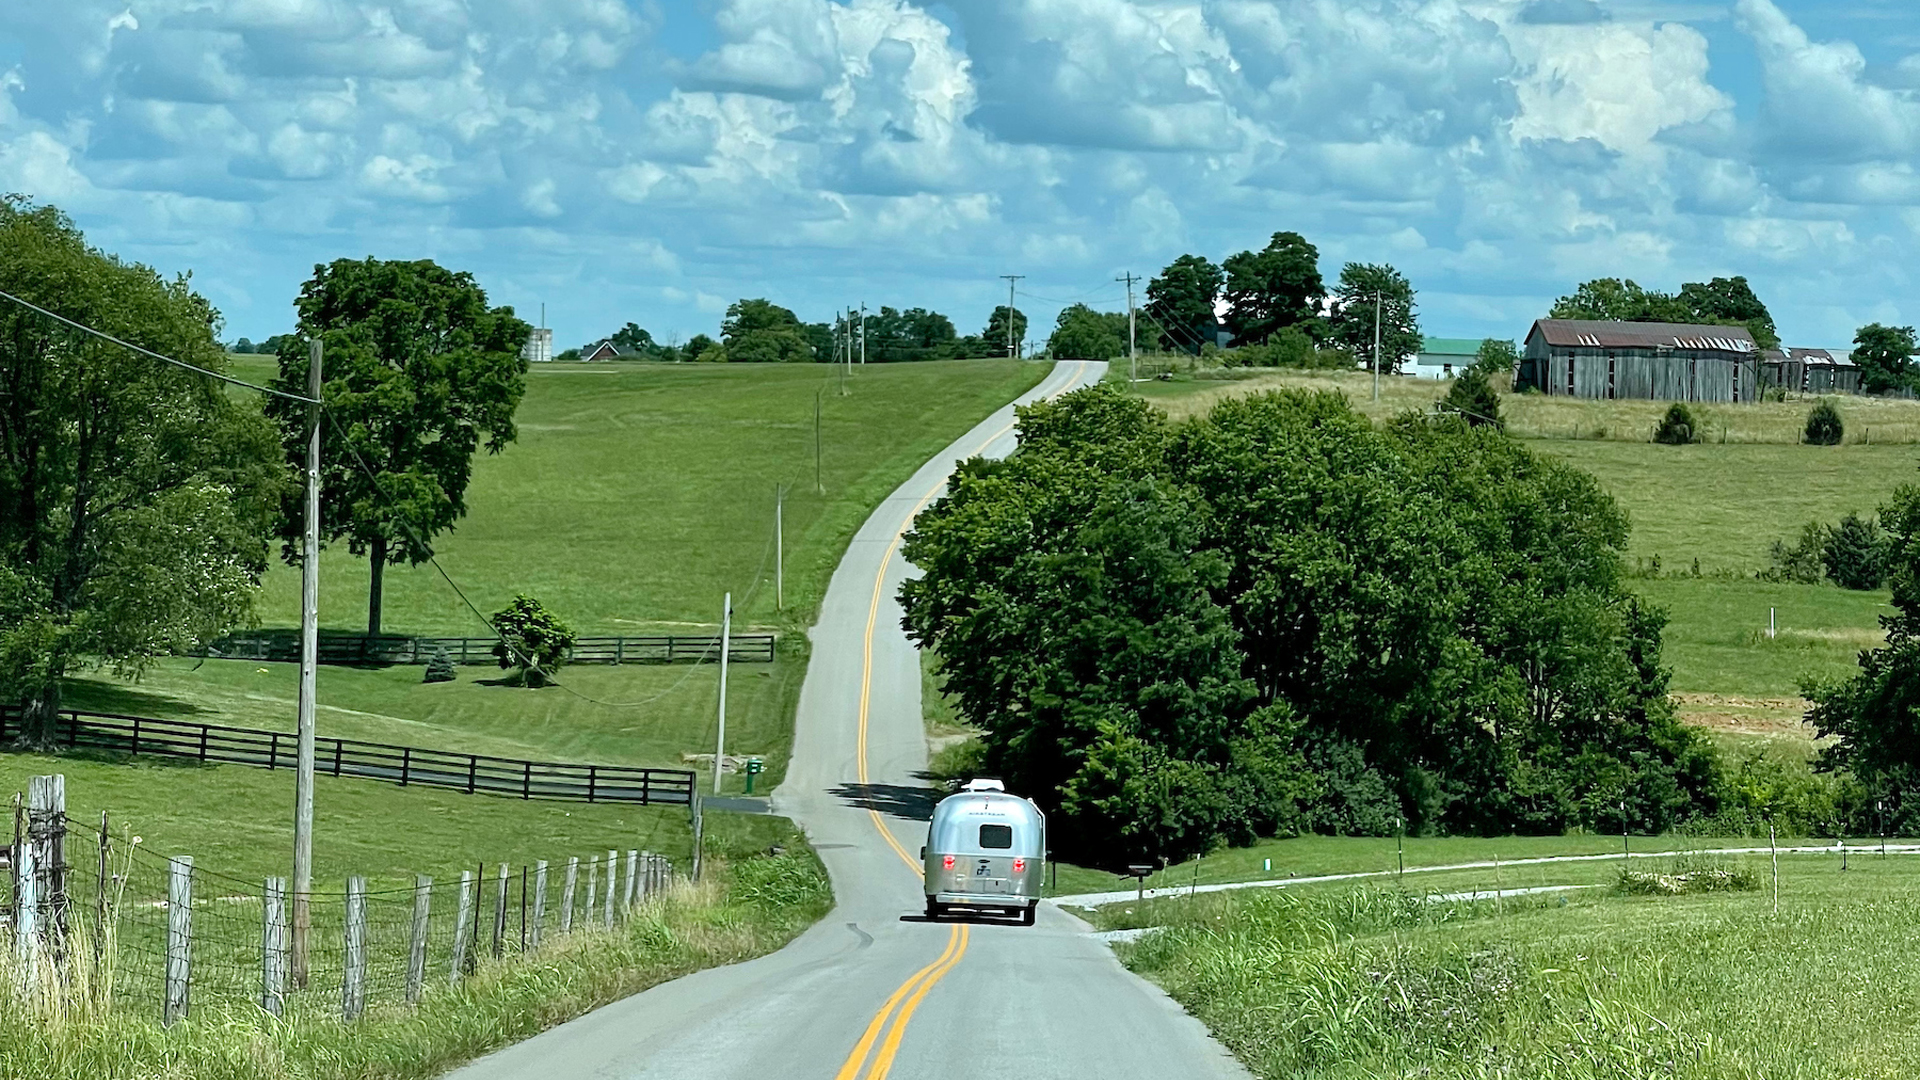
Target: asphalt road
(874, 990)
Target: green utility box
(754, 765)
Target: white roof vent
(984, 785)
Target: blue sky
(652, 160)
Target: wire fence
(162, 936)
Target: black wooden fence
(337, 647)
(403, 765)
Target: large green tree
(1085, 334)
(419, 374)
(995, 335)
(136, 498)
(1355, 310)
(1885, 357)
(1276, 287)
(762, 332)
(1721, 302)
(1874, 717)
(1181, 302)
(1280, 616)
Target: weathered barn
(1658, 361)
(1826, 371)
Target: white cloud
(1618, 84)
(1497, 150)
(1818, 103)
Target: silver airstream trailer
(986, 851)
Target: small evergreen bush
(1473, 396)
(1823, 425)
(1678, 427)
(439, 666)
(1856, 554)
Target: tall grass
(742, 910)
(1705, 988)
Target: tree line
(758, 331)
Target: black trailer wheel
(1026, 916)
(935, 908)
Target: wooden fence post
(645, 889)
(500, 912)
(273, 946)
(417, 940)
(47, 834)
(460, 925)
(353, 985)
(633, 879)
(539, 900)
(593, 886)
(179, 938)
(566, 894)
(613, 877)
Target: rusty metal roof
(1821, 356)
(1590, 334)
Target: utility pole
(1011, 278)
(726, 632)
(863, 333)
(309, 663)
(1133, 361)
(779, 548)
(1376, 346)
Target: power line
(1078, 300)
(103, 335)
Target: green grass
(1725, 505)
(638, 493)
(1716, 637)
(1370, 982)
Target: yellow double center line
(907, 997)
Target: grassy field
(1869, 421)
(636, 496)
(1357, 982)
(638, 493)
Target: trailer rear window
(996, 837)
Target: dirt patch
(1755, 717)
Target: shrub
(1803, 562)
(1856, 554)
(440, 667)
(1678, 427)
(532, 639)
(1473, 396)
(1823, 425)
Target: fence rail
(403, 765)
(345, 648)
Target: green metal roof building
(1443, 358)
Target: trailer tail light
(946, 863)
(1019, 865)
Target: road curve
(873, 990)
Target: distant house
(1654, 361)
(1443, 358)
(604, 350)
